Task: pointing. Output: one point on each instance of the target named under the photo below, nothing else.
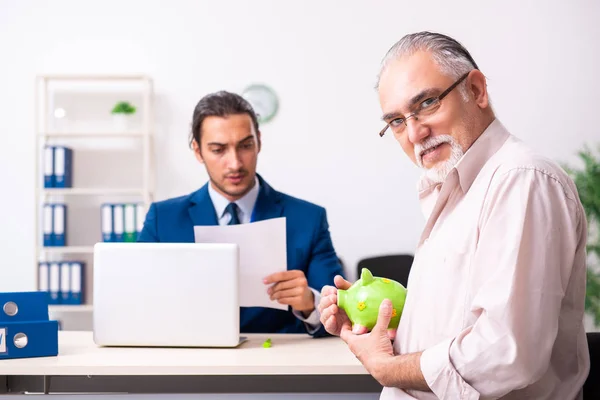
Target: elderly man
(496, 294)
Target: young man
(225, 138)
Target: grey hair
(452, 57)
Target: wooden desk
(294, 364)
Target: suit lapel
(268, 204)
(202, 211)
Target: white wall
(541, 59)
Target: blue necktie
(232, 210)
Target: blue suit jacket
(309, 246)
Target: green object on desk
(267, 343)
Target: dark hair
(219, 104)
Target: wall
(321, 57)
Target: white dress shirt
(245, 209)
(496, 293)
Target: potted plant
(587, 180)
(122, 112)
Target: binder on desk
(60, 224)
(54, 285)
(47, 222)
(49, 178)
(28, 339)
(76, 283)
(25, 329)
(63, 167)
(107, 226)
(65, 283)
(129, 234)
(23, 306)
(140, 215)
(118, 218)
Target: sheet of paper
(262, 252)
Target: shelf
(59, 77)
(91, 131)
(94, 135)
(70, 308)
(92, 191)
(67, 250)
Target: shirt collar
(490, 141)
(246, 203)
(468, 167)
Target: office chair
(591, 387)
(396, 267)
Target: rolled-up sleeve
(529, 232)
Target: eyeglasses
(425, 108)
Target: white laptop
(166, 294)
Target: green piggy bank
(362, 300)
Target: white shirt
(245, 208)
(495, 297)
(245, 204)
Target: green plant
(123, 107)
(587, 181)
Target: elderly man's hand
(374, 349)
(332, 317)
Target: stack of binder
(58, 167)
(55, 224)
(122, 222)
(63, 281)
(25, 328)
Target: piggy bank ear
(366, 276)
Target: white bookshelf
(94, 136)
(67, 250)
(93, 191)
(60, 308)
(87, 135)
